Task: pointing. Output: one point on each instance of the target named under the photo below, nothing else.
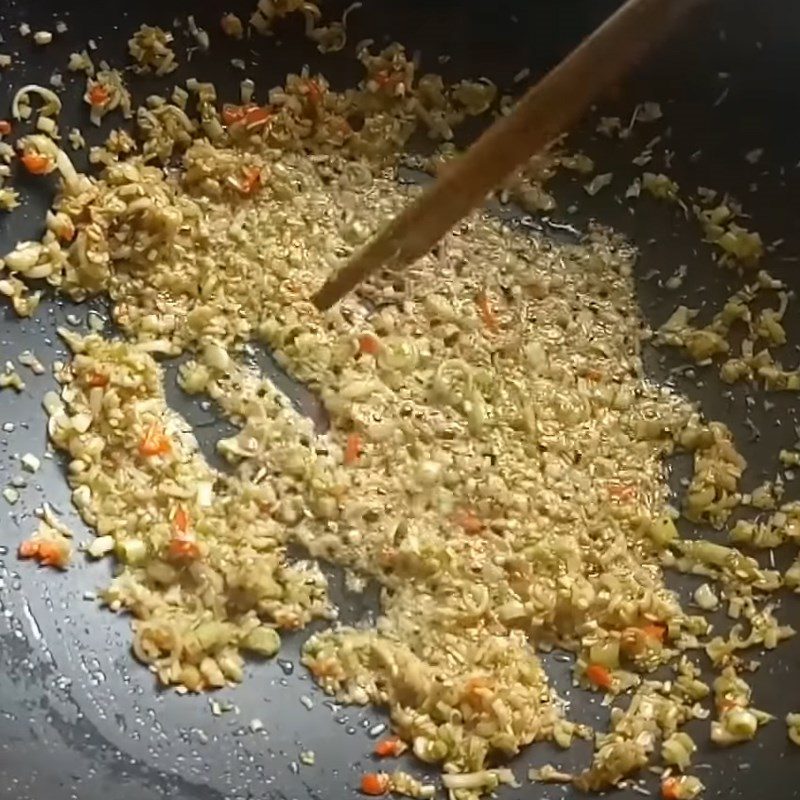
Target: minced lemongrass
(100, 546)
(493, 452)
(11, 495)
(30, 462)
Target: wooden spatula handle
(547, 110)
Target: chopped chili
(257, 117)
(98, 95)
(655, 630)
(251, 180)
(180, 522)
(375, 783)
(670, 789)
(314, 92)
(250, 115)
(487, 313)
(469, 521)
(155, 442)
(352, 450)
(599, 675)
(624, 492)
(48, 554)
(368, 344)
(390, 748)
(233, 114)
(97, 379)
(37, 164)
(184, 549)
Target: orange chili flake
(5, 127)
(599, 676)
(390, 748)
(98, 95)
(384, 78)
(375, 783)
(314, 92)
(28, 548)
(352, 450)
(487, 314)
(232, 114)
(96, 379)
(155, 442)
(181, 548)
(325, 668)
(66, 231)
(250, 180)
(287, 620)
(369, 344)
(478, 691)
(37, 164)
(321, 668)
(642, 637)
(180, 522)
(388, 79)
(670, 788)
(257, 117)
(250, 115)
(469, 521)
(655, 630)
(624, 492)
(48, 554)
(51, 555)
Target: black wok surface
(78, 717)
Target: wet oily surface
(72, 689)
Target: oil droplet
(286, 666)
(35, 629)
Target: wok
(78, 717)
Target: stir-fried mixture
(494, 456)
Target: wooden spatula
(546, 111)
